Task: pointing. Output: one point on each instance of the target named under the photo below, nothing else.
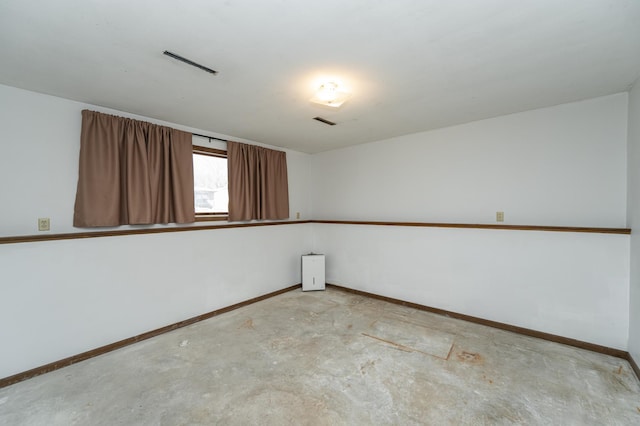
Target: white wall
(61, 298)
(563, 166)
(572, 285)
(634, 220)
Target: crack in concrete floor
(305, 359)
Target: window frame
(212, 152)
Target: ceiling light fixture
(329, 94)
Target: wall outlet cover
(44, 224)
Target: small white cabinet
(313, 272)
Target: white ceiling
(410, 65)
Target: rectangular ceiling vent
(324, 120)
(190, 62)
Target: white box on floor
(313, 272)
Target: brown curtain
(258, 185)
(132, 172)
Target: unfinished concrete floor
(332, 358)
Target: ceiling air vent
(324, 120)
(190, 62)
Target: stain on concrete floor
(411, 337)
(321, 359)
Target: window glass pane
(210, 184)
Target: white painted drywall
(569, 284)
(557, 166)
(633, 217)
(39, 161)
(563, 166)
(61, 298)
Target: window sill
(211, 217)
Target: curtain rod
(210, 137)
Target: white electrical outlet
(297, 215)
(499, 216)
(44, 224)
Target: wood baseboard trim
(634, 365)
(515, 329)
(56, 365)
(623, 231)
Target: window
(211, 196)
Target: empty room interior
(337, 212)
